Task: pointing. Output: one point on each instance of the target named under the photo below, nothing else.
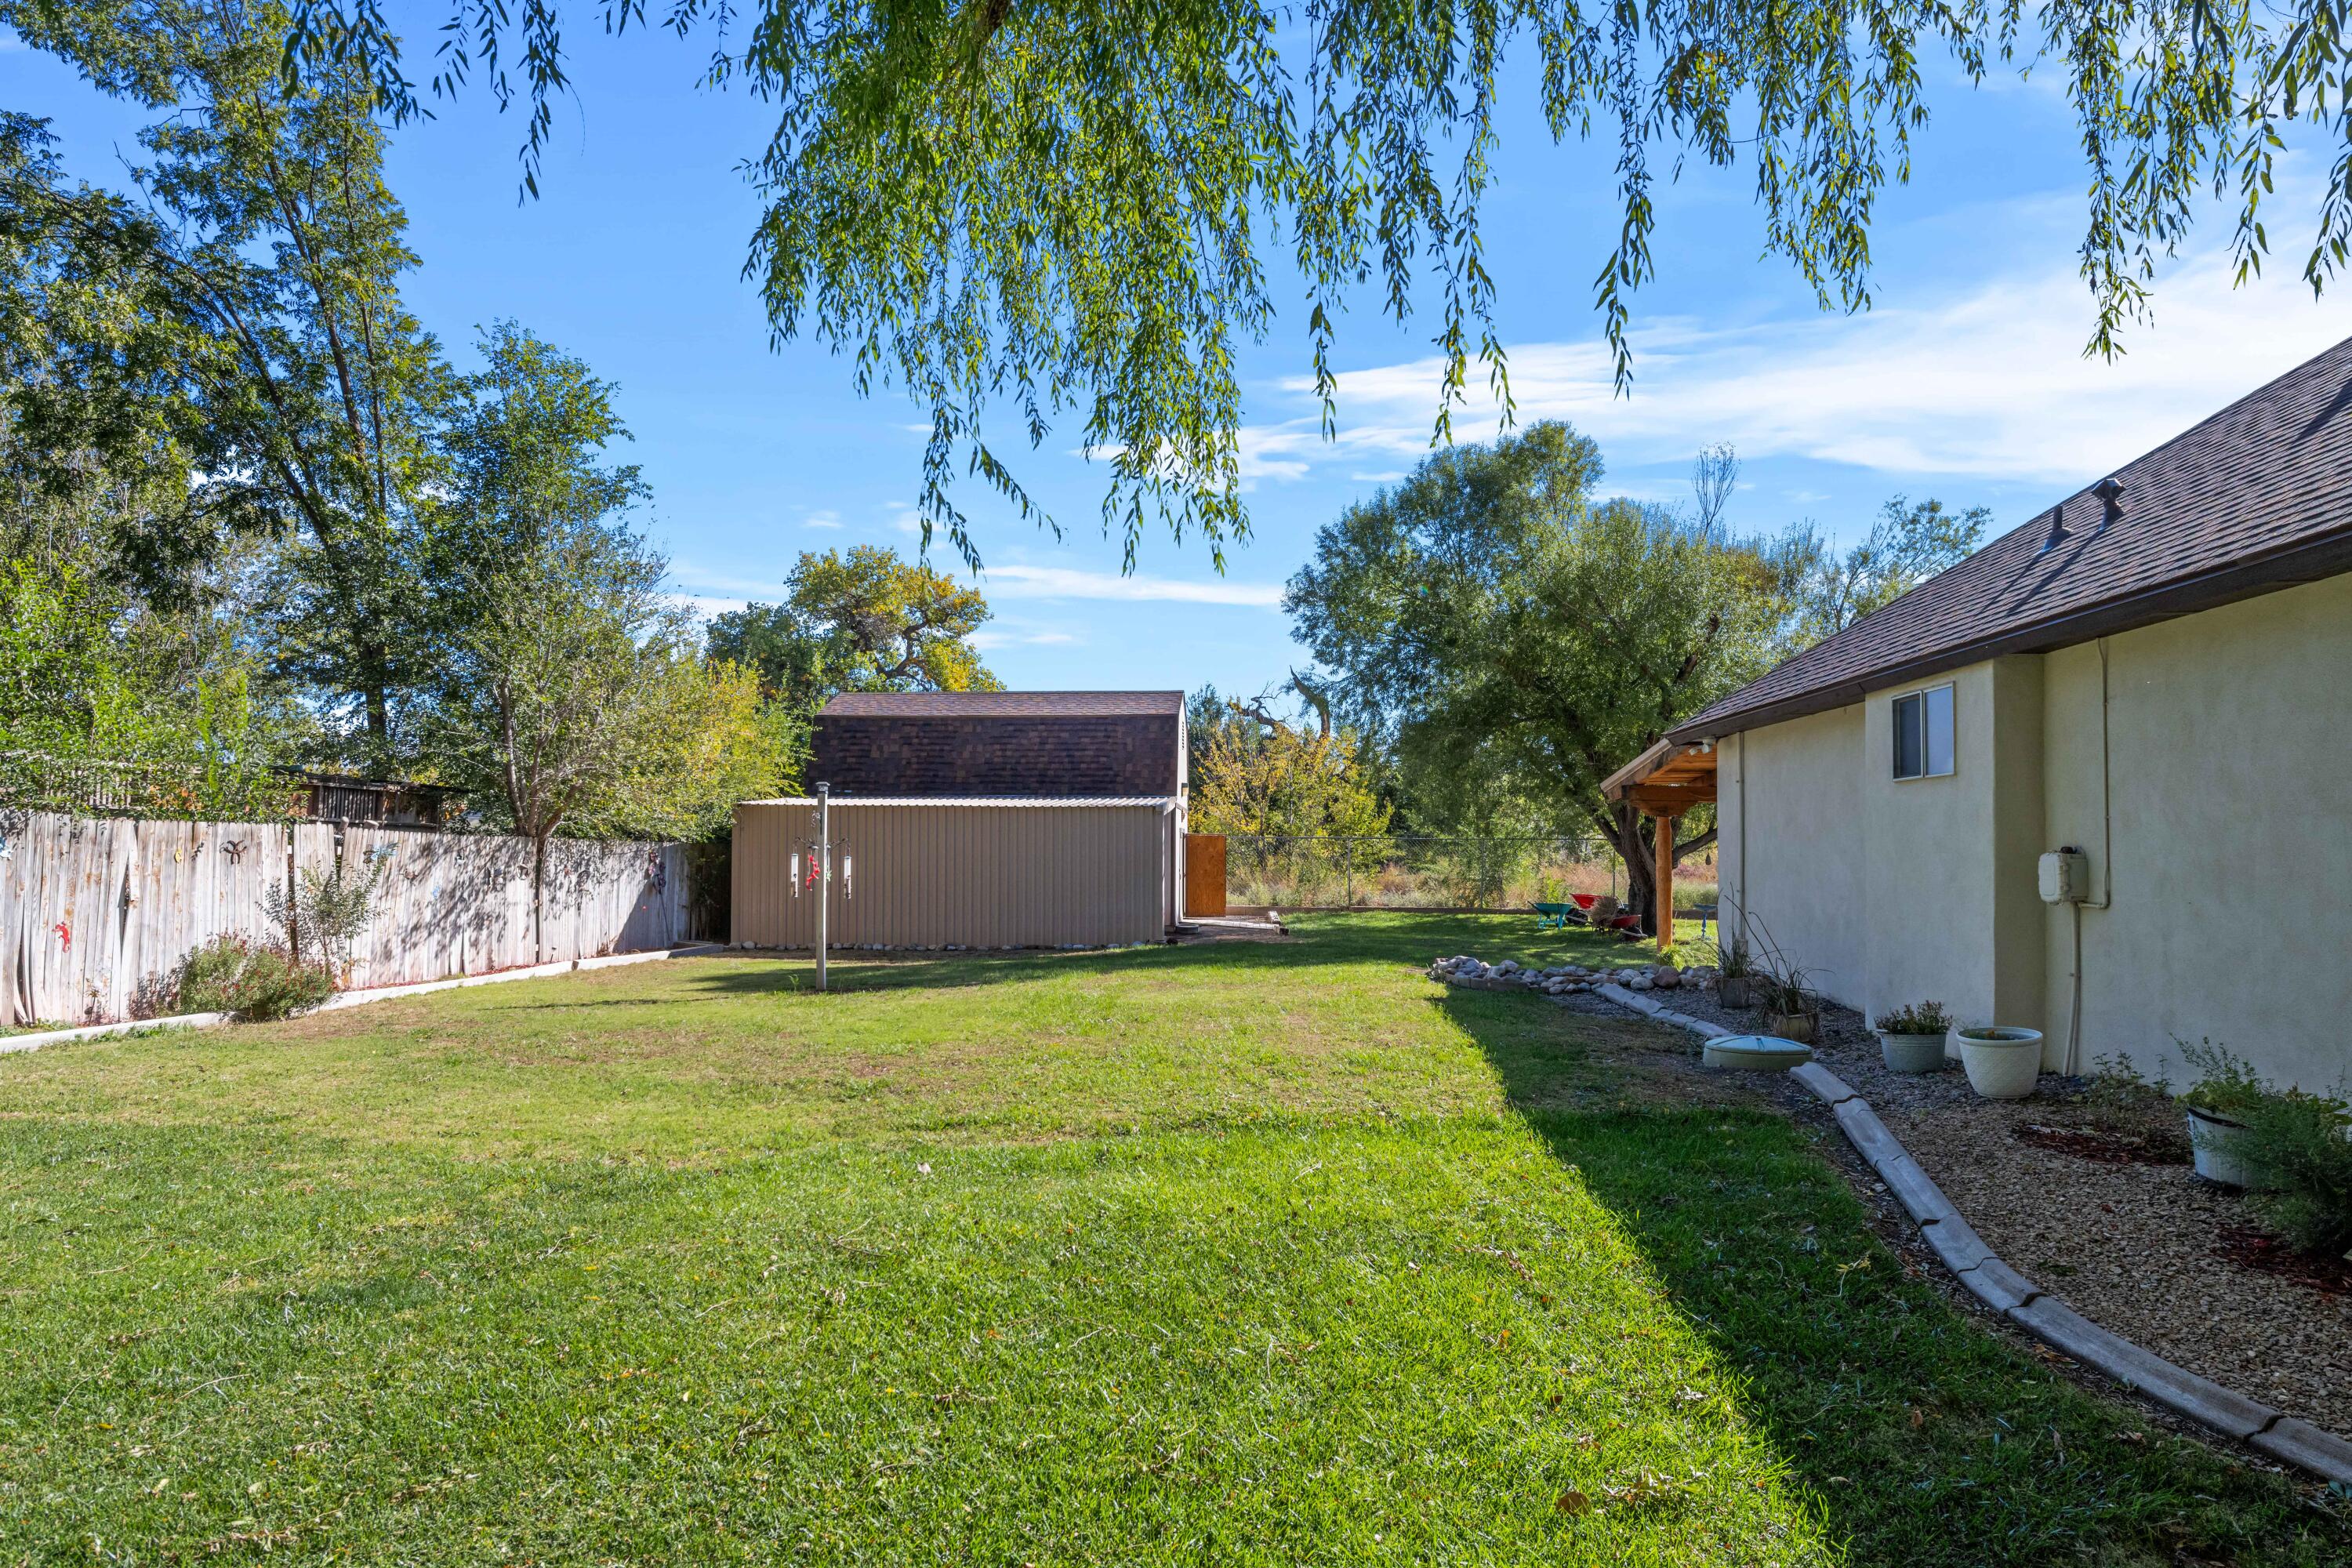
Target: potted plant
(1911, 1038)
(1792, 1009)
(1735, 977)
(2002, 1062)
(2228, 1092)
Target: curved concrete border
(2012, 1296)
(348, 998)
(34, 1042)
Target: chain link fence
(1406, 871)
(1416, 871)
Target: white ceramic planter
(2217, 1142)
(2003, 1069)
(1911, 1053)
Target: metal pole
(824, 872)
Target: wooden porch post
(1666, 884)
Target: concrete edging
(2038, 1312)
(100, 1031)
(352, 998)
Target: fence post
(825, 872)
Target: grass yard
(1271, 1254)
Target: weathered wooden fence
(95, 914)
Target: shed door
(1204, 874)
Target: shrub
(1915, 1018)
(327, 910)
(2226, 1084)
(2295, 1144)
(230, 975)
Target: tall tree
(274, 357)
(1253, 772)
(1071, 206)
(1906, 545)
(864, 620)
(1511, 634)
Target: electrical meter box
(2065, 876)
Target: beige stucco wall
(2229, 778)
(986, 875)
(1788, 800)
(2230, 773)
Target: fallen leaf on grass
(1572, 1502)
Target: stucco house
(2157, 674)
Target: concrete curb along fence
(2011, 1295)
(9, 1043)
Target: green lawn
(1237, 1254)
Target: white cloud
(1069, 583)
(694, 576)
(1989, 383)
(827, 518)
(985, 640)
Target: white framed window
(1923, 733)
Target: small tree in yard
(578, 698)
(574, 692)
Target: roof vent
(2111, 508)
(2057, 530)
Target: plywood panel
(1204, 874)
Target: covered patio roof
(1667, 780)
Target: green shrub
(2296, 1146)
(2226, 1084)
(1915, 1018)
(230, 975)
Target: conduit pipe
(2106, 898)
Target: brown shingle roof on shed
(2255, 498)
(1051, 744)
(1004, 704)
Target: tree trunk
(539, 899)
(1636, 847)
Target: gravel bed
(2133, 1247)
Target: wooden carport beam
(1665, 850)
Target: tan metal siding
(974, 874)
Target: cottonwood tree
(863, 620)
(1908, 544)
(256, 339)
(1079, 209)
(1253, 773)
(1503, 628)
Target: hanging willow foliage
(1038, 209)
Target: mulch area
(2096, 1202)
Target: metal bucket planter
(1800, 1028)
(2219, 1146)
(1911, 1052)
(1736, 990)
(2002, 1063)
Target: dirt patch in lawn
(2093, 1198)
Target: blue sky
(1966, 381)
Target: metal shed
(972, 871)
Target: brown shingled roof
(1002, 704)
(2256, 498)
